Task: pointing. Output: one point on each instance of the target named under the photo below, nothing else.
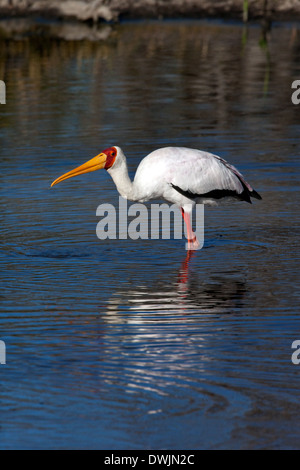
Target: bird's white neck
(124, 185)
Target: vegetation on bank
(114, 10)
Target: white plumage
(191, 170)
(179, 175)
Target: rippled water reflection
(132, 344)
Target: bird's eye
(113, 153)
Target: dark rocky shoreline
(114, 10)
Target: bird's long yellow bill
(94, 164)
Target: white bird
(177, 174)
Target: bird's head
(106, 159)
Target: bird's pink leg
(193, 243)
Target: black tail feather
(220, 193)
(253, 193)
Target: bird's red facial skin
(111, 157)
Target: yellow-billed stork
(179, 175)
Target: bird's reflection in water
(182, 292)
(161, 335)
